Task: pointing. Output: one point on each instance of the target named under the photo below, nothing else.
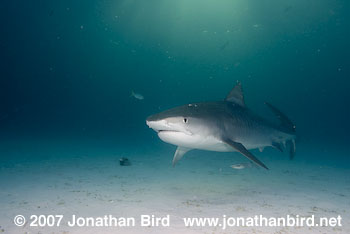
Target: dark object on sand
(124, 162)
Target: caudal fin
(292, 148)
(286, 123)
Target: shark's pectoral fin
(240, 148)
(179, 153)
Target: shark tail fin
(286, 123)
(292, 148)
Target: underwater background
(68, 69)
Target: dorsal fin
(236, 95)
(285, 121)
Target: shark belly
(209, 143)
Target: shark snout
(157, 125)
(151, 118)
(152, 122)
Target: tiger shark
(223, 126)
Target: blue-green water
(68, 69)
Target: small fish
(287, 8)
(237, 166)
(240, 166)
(224, 45)
(137, 95)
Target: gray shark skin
(222, 126)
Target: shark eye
(185, 120)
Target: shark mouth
(174, 131)
(164, 127)
(167, 131)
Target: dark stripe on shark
(240, 148)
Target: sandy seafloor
(59, 178)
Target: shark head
(181, 126)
